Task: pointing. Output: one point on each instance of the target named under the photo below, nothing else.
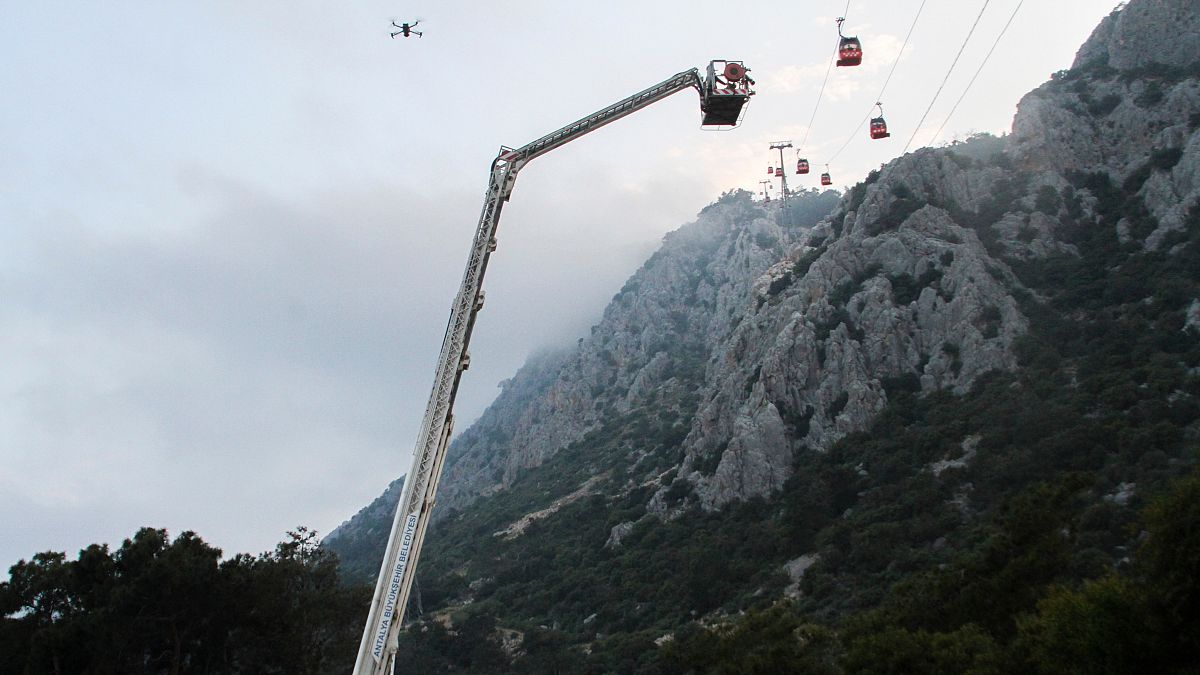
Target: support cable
(971, 32)
(821, 93)
(978, 70)
(885, 84)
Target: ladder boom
(614, 112)
(377, 651)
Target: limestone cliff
(648, 349)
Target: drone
(406, 29)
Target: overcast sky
(230, 232)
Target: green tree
(163, 603)
(774, 640)
(41, 609)
(1146, 622)
(1169, 562)
(895, 651)
(288, 611)
(1100, 629)
(165, 607)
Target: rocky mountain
(649, 350)
(925, 404)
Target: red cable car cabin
(778, 171)
(879, 128)
(801, 166)
(849, 52)
(770, 170)
(826, 180)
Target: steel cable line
(885, 83)
(978, 70)
(821, 93)
(818, 103)
(937, 93)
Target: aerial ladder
(724, 91)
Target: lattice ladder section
(377, 652)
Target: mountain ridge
(994, 335)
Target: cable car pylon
(779, 172)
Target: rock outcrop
(1128, 107)
(921, 300)
(648, 350)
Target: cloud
(233, 361)
(842, 83)
(794, 78)
(272, 356)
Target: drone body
(406, 29)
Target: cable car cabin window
(802, 166)
(849, 52)
(879, 128)
(826, 180)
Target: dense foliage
(999, 612)
(157, 605)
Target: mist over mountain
(907, 422)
